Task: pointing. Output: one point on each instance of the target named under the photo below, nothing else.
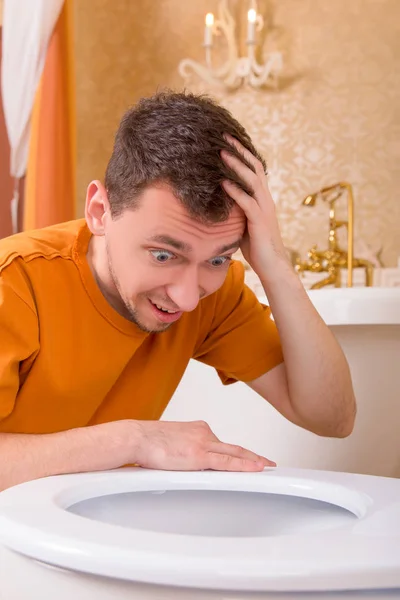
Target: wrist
(277, 267)
(126, 438)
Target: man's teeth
(172, 312)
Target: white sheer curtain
(27, 29)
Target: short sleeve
(243, 341)
(19, 337)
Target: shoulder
(22, 254)
(234, 280)
(232, 287)
(48, 243)
(234, 299)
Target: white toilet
(140, 534)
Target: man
(99, 317)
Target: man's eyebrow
(227, 247)
(170, 241)
(184, 247)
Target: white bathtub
(366, 322)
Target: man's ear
(97, 207)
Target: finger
(246, 202)
(240, 452)
(246, 174)
(247, 155)
(226, 462)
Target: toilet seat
(361, 553)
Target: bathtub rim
(355, 306)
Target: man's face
(159, 257)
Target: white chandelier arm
(236, 70)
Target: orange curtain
(50, 181)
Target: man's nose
(185, 292)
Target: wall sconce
(237, 70)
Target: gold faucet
(335, 258)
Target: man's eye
(161, 256)
(218, 261)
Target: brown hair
(176, 138)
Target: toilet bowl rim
(61, 487)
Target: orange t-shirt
(68, 359)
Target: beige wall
(340, 119)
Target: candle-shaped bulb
(251, 23)
(251, 15)
(208, 29)
(209, 19)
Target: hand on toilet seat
(191, 446)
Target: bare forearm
(24, 457)
(187, 446)
(318, 375)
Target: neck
(99, 265)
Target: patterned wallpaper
(336, 116)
